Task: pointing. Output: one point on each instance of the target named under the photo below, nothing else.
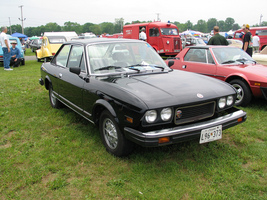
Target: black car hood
(168, 89)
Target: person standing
(142, 35)
(217, 39)
(15, 54)
(247, 40)
(4, 41)
(256, 43)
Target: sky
(37, 12)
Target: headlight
(151, 116)
(230, 100)
(166, 114)
(222, 102)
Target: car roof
(208, 46)
(100, 40)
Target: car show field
(56, 154)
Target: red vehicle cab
(163, 37)
(262, 33)
(229, 64)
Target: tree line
(116, 27)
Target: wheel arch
(242, 78)
(99, 107)
(47, 82)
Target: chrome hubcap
(110, 133)
(240, 93)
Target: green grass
(47, 153)
(28, 52)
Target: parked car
(19, 46)
(49, 47)
(126, 89)
(35, 44)
(235, 43)
(229, 64)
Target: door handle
(184, 66)
(60, 75)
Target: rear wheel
(243, 92)
(55, 103)
(111, 136)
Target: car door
(70, 84)
(199, 60)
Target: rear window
(56, 39)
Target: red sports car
(226, 63)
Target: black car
(126, 89)
(35, 44)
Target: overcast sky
(39, 12)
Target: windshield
(124, 57)
(228, 55)
(169, 31)
(56, 39)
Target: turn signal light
(240, 119)
(257, 84)
(164, 140)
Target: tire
(112, 138)
(243, 92)
(55, 103)
(38, 60)
(22, 62)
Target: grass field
(47, 153)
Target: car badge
(179, 114)
(200, 95)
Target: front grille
(198, 112)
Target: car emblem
(179, 114)
(200, 95)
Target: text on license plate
(211, 134)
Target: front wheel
(243, 92)
(111, 136)
(55, 103)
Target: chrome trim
(230, 118)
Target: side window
(196, 55)
(62, 57)
(153, 32)
(210, 59)
(75, 57)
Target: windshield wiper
(137, 65)
(243, 60)
(229, 61)
(107, 68)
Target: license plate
(211, 134)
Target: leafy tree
(72, 26)
(87, 27)
(15, 28)
(211, 23)
(107, 27)
(96, 29)
(189, 25)
(221, 24)
(201, 26)
(229, 22)
(52, 27)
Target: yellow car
(49, 47)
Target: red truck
(262, 33)
(163, 37)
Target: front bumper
(185, 132)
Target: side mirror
(171, 63)
(75, 70)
